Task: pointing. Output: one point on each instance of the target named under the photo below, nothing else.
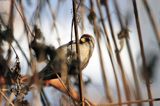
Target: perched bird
(66, 61)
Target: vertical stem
(106, 84)
(54, 22)
(10, 26)
(44, 98)
(125, 84)
(25, 25)
(82, 16)
(11, 17)
(152, 20)
(97, 32)
(135, 77)
(26, 28)
(142, 50)
(18, 45)
(5, 97)
(138, 96)
(109, 51)
(78, 52)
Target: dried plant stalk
(135, 77)
(130, 102)
(96, 29)
(54, 22)
(125, 30)
(109, 51)
(78, 99)
(6, 98)
(142, 50)
(152, 20)
(26, 29)
(77, 51)
(125, 84)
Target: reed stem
(125, 85)
(78, 52)
(110, 52)
(142, 50)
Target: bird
(65, 60)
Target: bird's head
(86, 38)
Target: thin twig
(138, 96)
(77, 51)
(10, 25)
(44, 98)
(17, 42)
(23, 18)
(22, 52)
(142, 50)
(125, 84)
(110, 52)
(96, 29)
(11, 15)
(54, 22)
(152, 20)
(130, 102)
(6, 98)
(14, 51)
(135, 77)
(68, 91)
(27, 28)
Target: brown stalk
(135, 77)
(138, 93)
(54, 22)
(142, 50)
(44, 98)
(152, 20)
(77, 51)
(96, 29)
(130, 102)
(10, 25)
(6, 98)
(125, 84)
(35, 15)
(23, 19)
(27, 29)
(11, 15)
(110, 52)
(106, 84)
(18, 45)
(66, 88)
(82, 12)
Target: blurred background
(54, 19)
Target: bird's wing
(85, 54)
(70, 55)
(48, 72)
(66, 60)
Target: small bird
(66, 61)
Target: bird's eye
(88, 39)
